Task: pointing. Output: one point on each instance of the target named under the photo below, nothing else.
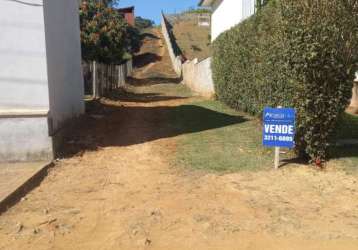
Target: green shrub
(249, 67)
(323, 50)
(292, 53)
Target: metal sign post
(279, 130)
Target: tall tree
(105, 35)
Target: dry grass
(193, 40)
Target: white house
(41, 84)
(227, 13)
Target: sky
(151, 8)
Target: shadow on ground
(150, 36)
(114, 126)
(293, 160)
(343, 151)
(140, 98)
(153, 80)
(143, 60)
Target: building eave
(127, 9)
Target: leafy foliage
(143, 23)
(249, 64)
(105, 35)
(133, 40)
(110, 2)
(261, 3)
(323, 45)
(292, 53)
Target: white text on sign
(279, 129)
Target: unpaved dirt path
(120, 190)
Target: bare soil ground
(118, 189)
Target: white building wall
(41, 84)
(24, 95)
(23, 70)
(229, 13)
(24, 139)
(63, 45)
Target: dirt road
(118, 189)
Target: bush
(292, 53)
(249, 66)
(323, 55)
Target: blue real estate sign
(279, 127)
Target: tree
(133, 40)
(105, 35)
(143, 23)
(110, 3)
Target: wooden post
(120, 75)
(106, 77)
(101, 82)
(94, 80)
(277, 157)
(110, 77)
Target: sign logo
(279, 127)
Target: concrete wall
(23, 70)
(41, 83)
(24, 94)
(63, 45)
(229, 13)
(354, 101)
(24, 139)
(198, 77)
(176, 59)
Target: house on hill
(128, 14)
(41, 84)
(227, 13)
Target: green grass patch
(214, 137)
(346, 157)
(347, 127)
(345, 154)
(217, 138)
(165, 89)
(172, 89)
